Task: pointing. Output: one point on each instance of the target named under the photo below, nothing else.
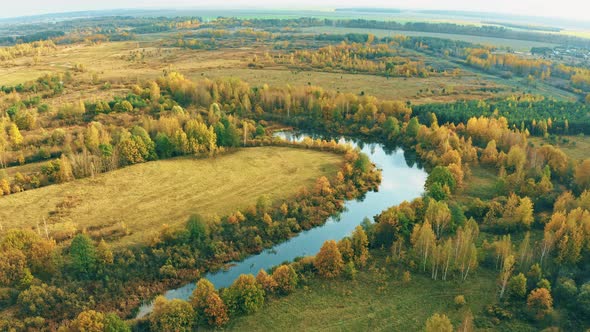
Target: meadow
(575, 147)
(142, 198)
(378, 300)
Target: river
(401, 181)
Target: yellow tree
(506, 273)
(328, 261)
(423, 240)
(490, 153)
(540, 302)
(89, 321)
(439, 215)
(15, 136)
(582, 174)
(439, 323)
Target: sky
(572, 9)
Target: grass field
(399, 88)
(377, 301)
(517, 45)
(481, 183)
(121, 62)
(146, 196)
(577, 147)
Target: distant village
(564, 53)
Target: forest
(140, 155)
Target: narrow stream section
(400, 182)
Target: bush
(460, 301)
(407, 277)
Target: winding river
(401, 180)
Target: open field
(576, 147)
(134, 61)
(377, 301)
(143, 197)
(517, 45)
(481, 183)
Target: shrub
(460, 301)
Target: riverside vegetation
(116, 188)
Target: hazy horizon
(566, 9)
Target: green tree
(113, 323)
(413, 127)
(244, 296)
(164, 146)
(517, 286)
(391, 128)
(197, 231)
(83, 256)
(89, 321)
(441, 175)
(583, 299)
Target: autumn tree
(286, 279)
(328, 261)
(208, 306)
(490, 153)
(439, 323)
(215, 310)
(15, 136)
(439, 215)
(582, 174)
(423, 240)
(540, 303)
(506, 273)
(65, 173)
(345, 248)
(171, 315)
(89, 321)
(266, 281)
(360, 246)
